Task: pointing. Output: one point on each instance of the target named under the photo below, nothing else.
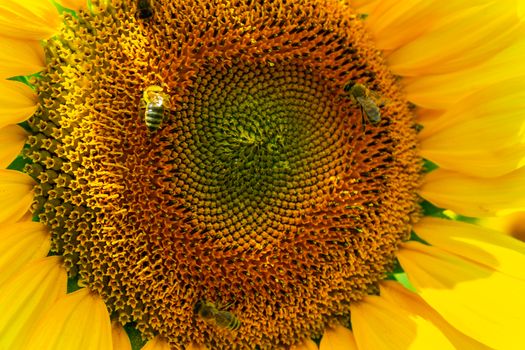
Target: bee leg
(225, 307)
(363, 119)
(236, 325)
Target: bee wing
(157, 100)
(379, 99)
(371, 110)
(224, 318)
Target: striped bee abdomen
(153, 116)
(217, 315)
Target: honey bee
(366, 100)
(217, 315)
(144, 9)
(155, 102)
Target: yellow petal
(415, 306)
(459, 41)
(363, 6)
(20, 243)
(307, 344)
(359, 4)
(471, 196)
(483, 134)
(120, 337)
(521, 9)
(158, 343)
(483, 163)
(379, 323)
(16, 195)
(444, 90)
(73, 4)
(483, 246)
(396, 23)
(482, 303)
(12, 139)
(513, 224)
(17, 102)
(338, 338)
(503, 98)
(20, 57)
(427, 116)
(27, 296)
(28, 216)
(29, 19)
(79, 320)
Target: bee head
(204, 309)
(198, 306)
(358, 90)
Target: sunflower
(249, 174)
(512, 224)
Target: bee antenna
(349, 85)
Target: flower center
(273, 190)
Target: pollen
(266, 192)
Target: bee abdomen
(154, 116)
(227, 320)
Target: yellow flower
(193, 174)
(512, 224)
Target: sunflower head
(236, 174)
(264, 185)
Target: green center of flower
(268, 198)
(259, 147)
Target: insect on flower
(367, 100)
(144, 9)
(155, 102)
(217, 315)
